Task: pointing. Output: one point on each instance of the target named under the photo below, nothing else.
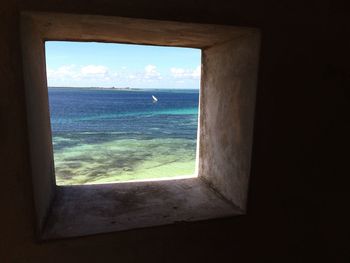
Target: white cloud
(94, 70)
(102, 76)
(177, 72)
(66, 71)
(151, 72)
(73, 72)
(132, 76)
(197, 72)
(186, 73)
(80, 76)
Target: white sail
(154, 99)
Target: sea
(111, 135)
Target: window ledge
(93, 209)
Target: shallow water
(104, 136)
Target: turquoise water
(102, 136)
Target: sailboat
(154, 99)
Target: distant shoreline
(120, 89)
(99, 88)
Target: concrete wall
(38, 120)
(228, 83)
(298, 200)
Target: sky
(91, 64)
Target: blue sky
(90, 64)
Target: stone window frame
(230, 58)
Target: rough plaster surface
(38, 118)
(229, 80)
(92, 209)
(55, 26)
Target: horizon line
(118, 88)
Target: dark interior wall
(298, 207)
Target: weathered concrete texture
(229, 79)
(55, 26)
(38, 118)
(92, 209)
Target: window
(226, 112)
(122, 112)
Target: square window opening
(122, 112)
(229, 66)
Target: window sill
(93, 209)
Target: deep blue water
(95, 115)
